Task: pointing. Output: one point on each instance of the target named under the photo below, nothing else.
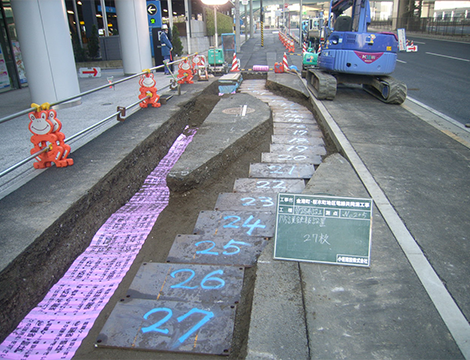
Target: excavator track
(387, 89)
(322, 84)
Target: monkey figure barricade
(185, 72)
(45, 128)
(148, 90)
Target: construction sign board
(323, 229)
(89, 72)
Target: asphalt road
(438, 75)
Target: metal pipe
(10, 117)
(26, 111)
(22, 162)
(91, 127)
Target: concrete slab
(223, 136)
(289, 82)
(278, 328)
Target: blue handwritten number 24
(245, 224)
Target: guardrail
(119, 114)
(455, 28)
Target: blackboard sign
(324, 229)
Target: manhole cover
(238, 110)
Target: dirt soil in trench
(179, 217)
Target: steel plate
(294, 113)
(291, 158)
(235, 223)
(298, 149)
(169, 326)
(247, 201)
(297, 132)
(187, 282)
(283, 125)
(281, 171)
(268, 185)
(296, 140)
(291, 120)
(232, 250)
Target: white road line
(401, 61)
(442, 300)
(448, 57)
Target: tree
(176, 41)
(93, 43)
(78, 51)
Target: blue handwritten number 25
(231, 244)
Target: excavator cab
(352, 54)
(350, 48)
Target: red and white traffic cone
(284, 62)
(234, 64)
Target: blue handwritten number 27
(156, 327)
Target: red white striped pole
(284, 62)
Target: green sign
(324, 229)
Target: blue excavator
(352, 54)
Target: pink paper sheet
(59, 323)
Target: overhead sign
(151, 9)
(323, 229)
(154, 13)
(89, 72)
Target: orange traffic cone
(234, 63)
